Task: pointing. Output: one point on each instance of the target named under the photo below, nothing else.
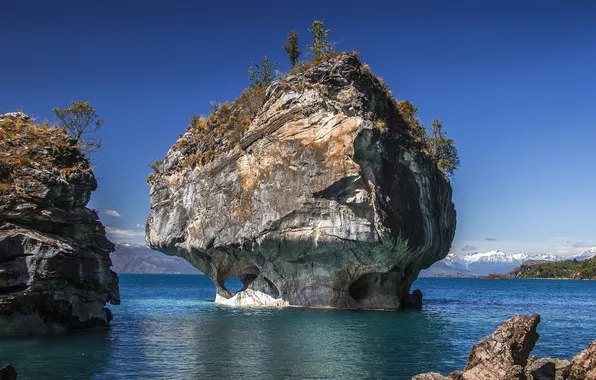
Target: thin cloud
(491, 239)
(467, 248)
(583, 245)
(122, 235)
(112, 213)
(139, 225)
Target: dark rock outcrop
(8, 372)
(54, 254)
(504, 355)
(326, 201)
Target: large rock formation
(504, 355)
(327, 200)
(54, 255)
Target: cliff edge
(54, 254)
(323, 199)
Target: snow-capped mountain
(587, 254)
(502, 257)
(483, 263)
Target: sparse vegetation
(223, 129)
(435, 143)
(320, 47)
(291, 47)
(441, 149)
(25, 145)
(156, 165)
(80, 120)
(261, 74)
(410, 115)
(585, 269)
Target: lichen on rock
(326, 201)
(54, 254)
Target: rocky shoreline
(505, 355)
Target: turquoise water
(168, 328)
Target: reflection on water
(167, 327)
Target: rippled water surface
(168, 327)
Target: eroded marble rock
(54, 254)
(318, 206)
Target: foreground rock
(8, 372)
(504, 355)
(584, 364)
(326, 201)
(54, 255)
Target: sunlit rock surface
(54, 255)
(320, 205)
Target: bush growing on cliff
(410, 114)
(79, 120)
(261, 75)
(156, 165)
(441, 149)
(291, 47)
(321, 47)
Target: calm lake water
(168, 328)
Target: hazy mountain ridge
(139, 259)
(493, 262)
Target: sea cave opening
(233, 284)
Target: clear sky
(513, 81)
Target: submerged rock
(504, 355)
(327, 201)
(54, 254)
(8, 372)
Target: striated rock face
(504, 355)
(54, 255)
(327, 200)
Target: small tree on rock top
(291, 47)
(79, 120)
(441, 149)
(320, 46)
(261, 75)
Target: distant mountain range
(492, 262)
(135, 258)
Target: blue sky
(514, 83)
